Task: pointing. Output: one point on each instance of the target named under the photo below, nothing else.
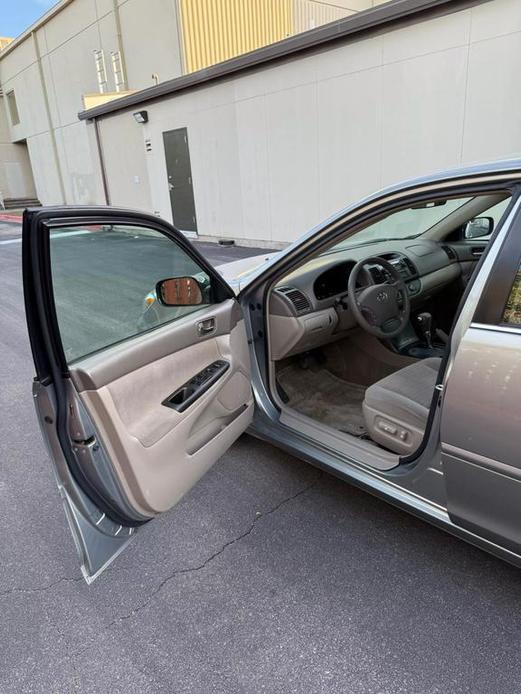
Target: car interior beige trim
(109, 364)
(158, 452)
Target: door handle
(206, 327)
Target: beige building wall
(50, 68)
(276, 150)
(16, 179)
(125, 163)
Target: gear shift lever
(424, 324)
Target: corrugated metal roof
(349, 27)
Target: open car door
(141, 383)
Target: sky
(17, 15)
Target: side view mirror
(179, 291)
(478, 227)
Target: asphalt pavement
(268, 577)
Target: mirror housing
(179, 291)
(479, 227)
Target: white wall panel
(346, 59)
(349, 138)
(73, 74)
(78, 171)
(293, 161)
(45, 174)
(126, 169)
(70, 23)
(423, 101)
(30, 102)
(493, 108)
(212, 137)
(449, 31)
(150, 40)
(252, 145)
(495, 18)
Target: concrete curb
(17, 218)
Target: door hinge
(439, 387)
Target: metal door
(179, 174)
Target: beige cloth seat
(396, 408)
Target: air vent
(410, 266)
(450, 252)
(297, 298)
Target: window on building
(13, 108)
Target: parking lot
(268, 577)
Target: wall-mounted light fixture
(141, 116)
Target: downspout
(48, 113)
(101, 163)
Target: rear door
(136, 399)
(481, 411)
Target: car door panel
(122, 451)
(157, 450)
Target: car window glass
(404, 224)
(414, 221)
(512, 312)
(104, 280)
(497, 211)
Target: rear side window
(512, 312)
(104, 281)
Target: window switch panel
(187, 394)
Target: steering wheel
(381, 309)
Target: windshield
(405, 224)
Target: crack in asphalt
(191, 569)
(177, 572)
(41, 589)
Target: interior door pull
(205, 327)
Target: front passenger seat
(397, 407)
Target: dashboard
(307, 307)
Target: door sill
(352, 448)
